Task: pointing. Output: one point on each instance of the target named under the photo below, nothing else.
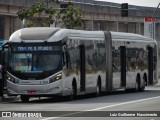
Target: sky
(148, 3)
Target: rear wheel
(74, 90)
(98, 89)
(129, 90)
(24, 98)
(143, 86)
(137, 85)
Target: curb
(157, 85)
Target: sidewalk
(157, 85)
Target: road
(115, 102)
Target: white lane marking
(100, 108)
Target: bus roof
(50, 34)
(129, 36)
(35, 33)
(86, 35)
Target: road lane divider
(100, 108)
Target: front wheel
(24, 98)
(137, 85)
(74, 93)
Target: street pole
(154, 20)
(155, 10)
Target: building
(96, 15)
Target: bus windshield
(36, 61)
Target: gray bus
(45, 61)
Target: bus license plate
(31, 92)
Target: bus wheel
(143, 87)
(24, 98)
(129, 90)
(98, 89)
(74, 91)
(137, 85)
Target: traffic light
(124, 9)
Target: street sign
(149, 27)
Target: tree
(37, 15)
(71, 17)
(40, 14)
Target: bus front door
(82, 68)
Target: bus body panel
(48, 89)
(114, 59)
(136, 56)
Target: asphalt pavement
(7, 98)
(93, 107)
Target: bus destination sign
(34, 48)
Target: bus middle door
(82, 68)
(123, 65)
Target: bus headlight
(11, 79)
(55, 78)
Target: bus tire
(24, 98)
(142, 88)
(137, 85)
(73, 91)
(128, 90)
(98, 89)
(144, 85)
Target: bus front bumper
(35, 90)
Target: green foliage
(25, 13)
(71, 17)
(38, 7)
(33, 15)
(40, 15)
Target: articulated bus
(65, 62)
